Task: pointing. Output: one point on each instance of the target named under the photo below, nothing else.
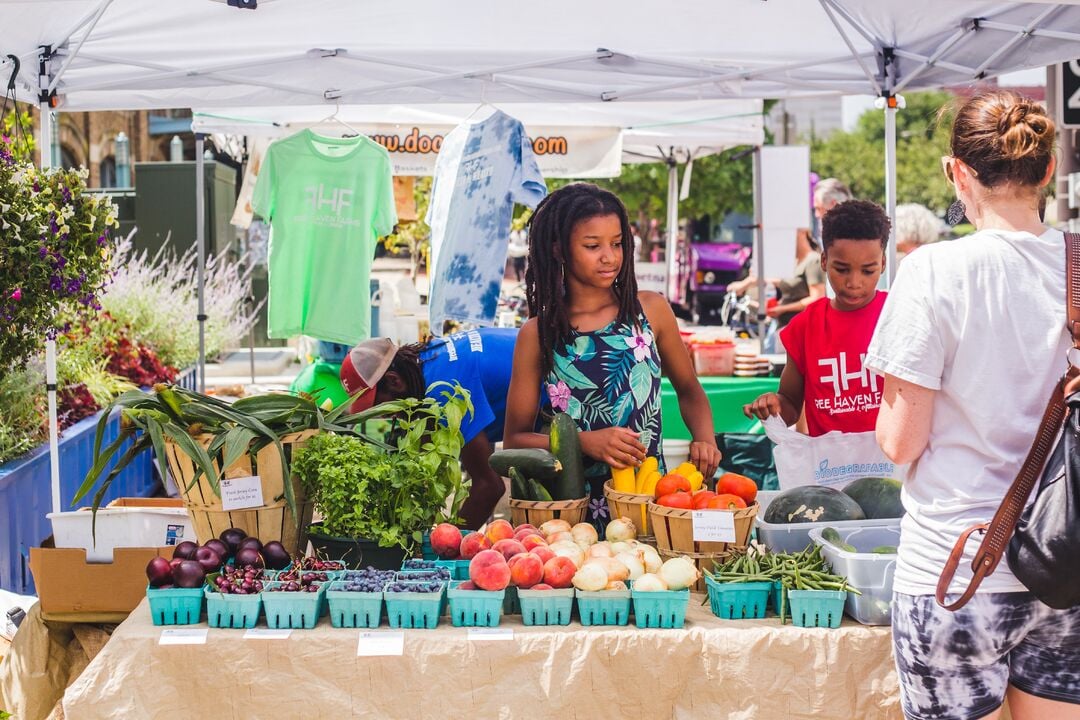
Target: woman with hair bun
(971, 341)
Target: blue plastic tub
(816, 608)
(660, 609)
(475, 608)
(738, 601)
(175, 606)
(546, 607)
(607, 607)
(414, 609)
(296, 610)
(353, 609)
(232, 611)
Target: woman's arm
(693, 403)
(816, 292)
(523, 397)
(787, 402)
(903, 422)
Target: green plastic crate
(232, 611)
(475, 608)
(660, 609)
(738, 601)
(546, 607)
(175, 606)
(414, 609)
(816, 608)
(511, 602)
(295, 610)
(607, 607)
(350, 609)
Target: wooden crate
(703, 561)
(538, 512)
(674, 529)
(273, 521)
(633, 506)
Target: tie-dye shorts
(957, 665)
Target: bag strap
(997, 533)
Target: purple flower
(65, 193)
(60, 263)
(55, 283)
(641, 345)
(53, 227)
(42, 252)
(559, 395)
(598, 508)
(86, 299)
(102, 241)
(73, 286)
(37, 187)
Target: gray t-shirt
(808, 272)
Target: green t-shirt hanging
(328, 201)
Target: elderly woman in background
(916, 225)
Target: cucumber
(531, 462)
(832, 536)
(566, 446)
(538, 491)
(884, 550)
(519, 486)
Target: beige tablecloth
(736, 669)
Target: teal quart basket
(175, 606)
(475, 608)
(410, 609)
(350, 609)
(606, 607)
(293, 610)
(738, 601)
(660, 609)
(816, 608)
(546, 607)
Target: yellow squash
(622, 480)
(647, 468)
(686, 470)
(696, 480)
(649, 486)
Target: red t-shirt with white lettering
(828, 346)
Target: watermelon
(878, 497)
(812, 503)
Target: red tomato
(702, 497)
(671, 483)
(726, 502)
(682, 500)
(736, 484)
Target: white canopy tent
(132, 54)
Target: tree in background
(857, 158)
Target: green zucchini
(538, 491)
(532, 462)
(519, 486)
(566, 446)
(884, 550)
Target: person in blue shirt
(480, 360)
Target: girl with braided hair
(595, 346)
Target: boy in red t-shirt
(826, 343)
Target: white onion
(570, 550)
(634, 562)
(590, 578)
(601, 549)
(553, 526)
(651, 558)
(615, 569)
(615, 585)
(620, 529)
(650, 582)
(561, 536)
(621, 547)
(679, 573)
(584, 534)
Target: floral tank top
(609, 378)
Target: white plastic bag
(834, 459)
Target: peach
(473, 543)
(524, 532)
(541, 586)
(467, 585)
(489, 570)
(520, 529)
(509, 548)
(499, 530)
(531, 541)
(558, 572)
(543, 552)
(526, 570)
(446, 541)
(561, 536)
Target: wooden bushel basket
(273, 521)
(538, 512)
(633, 506)
(674, 528)
(703, 562)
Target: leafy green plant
(22, 407)
(364, 491)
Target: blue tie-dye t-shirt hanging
(483, 169)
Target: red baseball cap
(363, 367)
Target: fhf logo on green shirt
(337, 199)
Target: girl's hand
(618, 447)
(764, 407)
(705, 456)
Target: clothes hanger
(333, 117)
(484, 104)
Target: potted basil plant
(376, 503)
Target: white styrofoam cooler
(121, 527)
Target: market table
(727, 395)
(738, 669)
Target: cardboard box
(147, 502)
(68, 584)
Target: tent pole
(891, 106)
(759, 246)
(50, 343)
(671, 250)
(200, 238)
